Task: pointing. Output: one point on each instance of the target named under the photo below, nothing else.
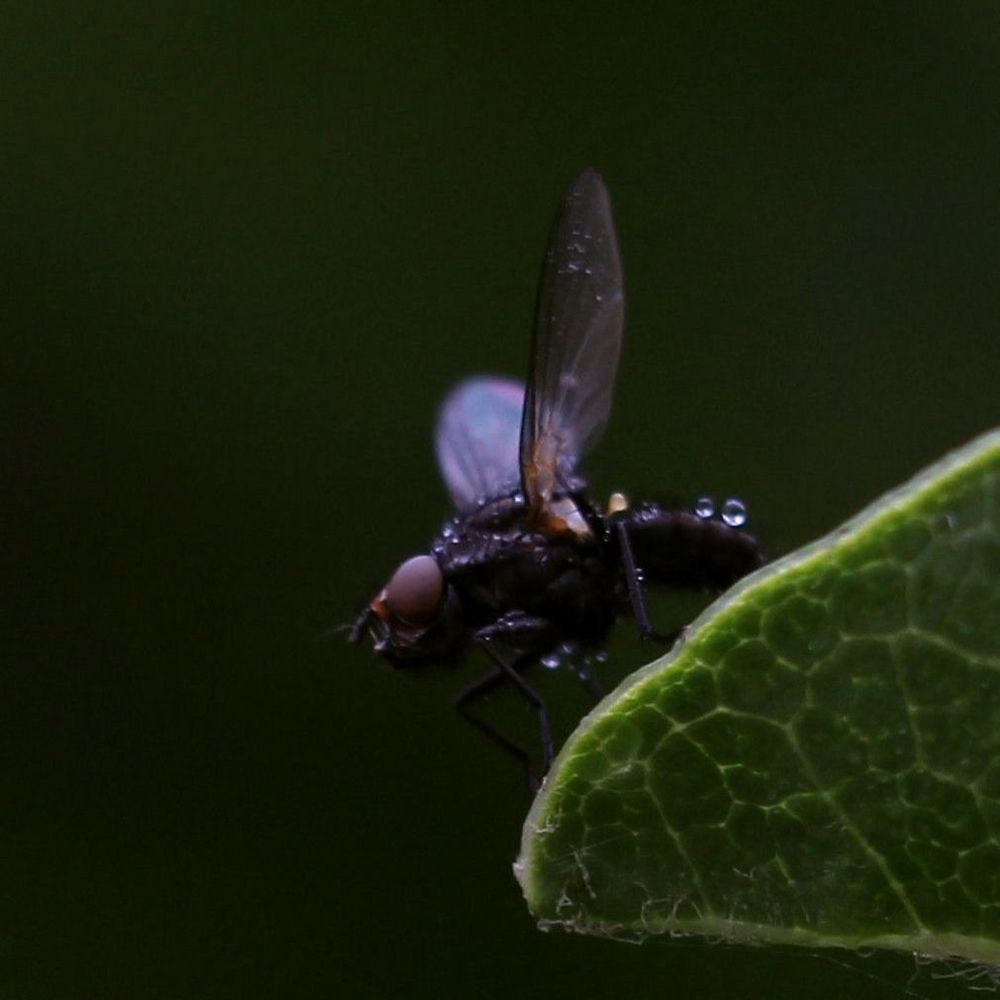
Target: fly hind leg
(636, 593)
(683, 549)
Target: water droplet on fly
(734, 512)
(705, 507)
(552, 661)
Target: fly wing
(477, 436)
(578, 336)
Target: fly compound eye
(415, 592)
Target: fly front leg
(478, 690)
(518, 631)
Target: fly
(530, 565)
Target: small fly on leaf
(530, 569)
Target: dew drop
(551, 661)
(734, 512)
(705, 507)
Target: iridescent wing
(578, 336)
(477, 437)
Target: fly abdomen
(684, 548)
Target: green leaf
(819, 762)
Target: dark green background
(245, 248)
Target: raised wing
(477, 437)
(578, 335)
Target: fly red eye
(414, 593)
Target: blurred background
(245, 249)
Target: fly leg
(521, 633)
(590, 684)
(636, 594)
(473, 693)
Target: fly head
(414, 616)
